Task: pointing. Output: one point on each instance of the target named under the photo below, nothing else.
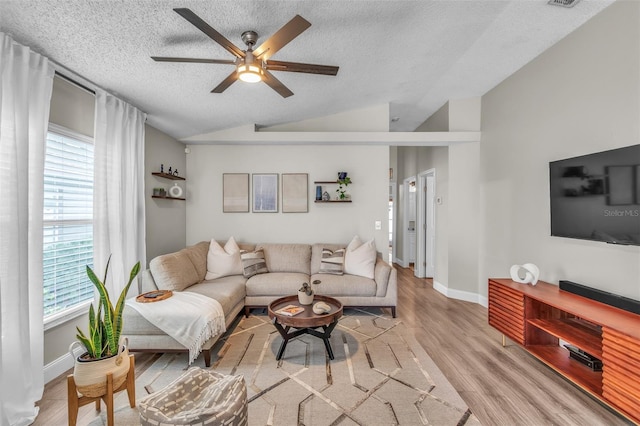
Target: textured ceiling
(412, 55)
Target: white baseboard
(400, 262)
(467, 296)
(483, 301)
(60, 365)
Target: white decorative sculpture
(525, 274)
(175, 190)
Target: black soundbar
(605, 297)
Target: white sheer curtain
(26, 81)
(118, 213)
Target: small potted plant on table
(305, 294)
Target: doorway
(426, 235)
(409, 222)
(392, 214)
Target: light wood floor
(501, 385)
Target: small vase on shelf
(175, 190)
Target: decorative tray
(154, 296)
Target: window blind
(68, 222)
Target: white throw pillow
(222, 262)
(360, 258)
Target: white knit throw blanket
(190, 318)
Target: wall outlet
(378, 225)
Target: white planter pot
(304, 298)
(90, 376)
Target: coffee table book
(290, 310)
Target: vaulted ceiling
(412, 55)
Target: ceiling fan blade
(276, 85)
(196, 60)
(300, 67)
(208, 30)
(231, 78)
(284, 35)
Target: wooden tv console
(536, 317)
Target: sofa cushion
(287, 257)
(276, 284)
(174, 271)
(229, 291)
(253, 263)
(344, 285)
(332, 261)
(360, 258)
(222, 262)
(198, 255)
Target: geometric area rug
(380, 376)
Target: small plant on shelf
(343, 182)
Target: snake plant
(105, 325)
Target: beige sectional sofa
(289, 265)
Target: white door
(426, 235)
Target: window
(68, 222)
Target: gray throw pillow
(253, 263)
(332, 262)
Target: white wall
(580, 96)
(336, 222)
(463, 221)
(438, 159)
(437, 122)
(369, 119)
(165, 219)
(72, 107)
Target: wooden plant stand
(75, 400)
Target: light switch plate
(378, 225)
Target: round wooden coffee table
(305, 322)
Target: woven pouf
(198, 397)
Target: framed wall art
(265, 193)
(235, 192)
(295, 193)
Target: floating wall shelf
(168, 176)
(168, 198)
(330, 182)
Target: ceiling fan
(253, 65)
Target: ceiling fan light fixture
(250, 73)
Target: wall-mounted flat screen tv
(597, 196)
